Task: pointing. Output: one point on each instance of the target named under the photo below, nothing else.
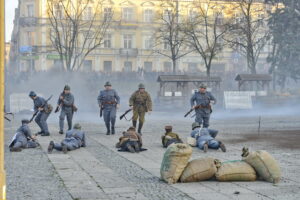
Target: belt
(110, 102)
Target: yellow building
(128, 44)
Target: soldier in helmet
(140, 101)
(44, 109)
(23, 138)
(109, 102)
(202, 108)
(66, 103)
(206, 138)
(75, 138)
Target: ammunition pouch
(48, 109)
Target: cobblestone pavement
(99, 171)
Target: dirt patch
(289, 139)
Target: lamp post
(2, 50)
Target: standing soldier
(41, 105)
(109, 102)
(140, 101)
(203, 105)
(66, 103)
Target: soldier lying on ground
(170, 137)
(23, 138)
(130, 141)
(206, 138)
(75, 138)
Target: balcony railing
(128, 52)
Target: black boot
(107, 128)
(140, 128)
(50, 147)
(113, 130)
(134, 124)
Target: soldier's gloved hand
(193, 107)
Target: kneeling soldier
(75, 139)
(170, 137)
(23, 138)
(206, 138)
(130, 141)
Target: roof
(253, 77)
(188, 78)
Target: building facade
(127, 45)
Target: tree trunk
(174, 66)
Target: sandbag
(174, 161)
(264, 164)
(236, 170)
(191, 141)
(199, 170)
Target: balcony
(128, 52)
(28, 21)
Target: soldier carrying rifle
(202, 108)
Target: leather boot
(107, 128)
(140, 128)
(134, 124)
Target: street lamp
(2, 50)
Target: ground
(99, 171)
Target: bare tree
(77, 29)
(169, 34)
(205, 30)
(249, 33)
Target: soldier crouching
(130, 141)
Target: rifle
(36, 112)
(197, 107)
(57, 108)
(127, 111)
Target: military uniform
(142, 103)
(75, 138)
(130, 141)
(41, 118)
(202, 99)
(170, 137)
(206, 138)
(108, 100)
(22, 138)
(67, 109)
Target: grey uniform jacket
(202, 99)
(67, 102)
(39, 102)
(106, 97)
(78, 135)
(22, 135)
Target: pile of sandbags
(175, 166)
(175, 160)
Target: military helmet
(67, 87)
(25, 121)
(168, 127)
(202, 85)
(32, 94)
(77, 126)
(195, 125)
(107, 83)
(141, 86)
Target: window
(148, 15)
(148, 43)
(127, 41)
(88, 13)
(166, 46)
(87, 65)
(148, 66)
(192, 67)
(107, 13)
(167, 67)
(30, 38)
(107, 66)
(219, 18)
(107, 41)
(128, 66)
(128, 14)
(30, 10)
(58, 11)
